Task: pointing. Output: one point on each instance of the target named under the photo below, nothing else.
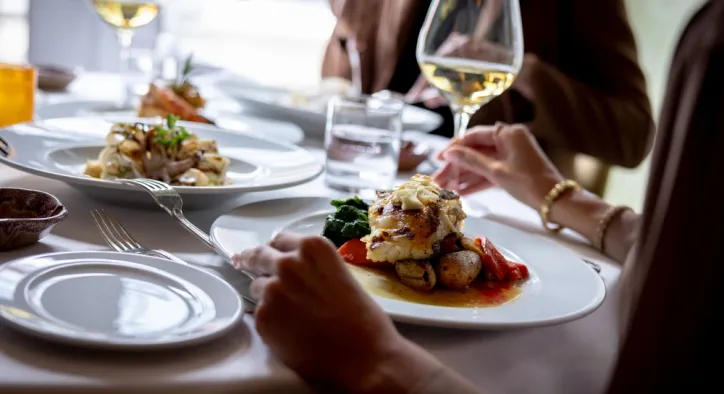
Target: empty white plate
(116, 300)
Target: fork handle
(190, 227)
(198, 233)
(166, 255)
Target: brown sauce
(8, 211)
(385, 283)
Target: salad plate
(560, 286)
(62, 149)
(116, 301)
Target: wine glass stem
(125, 38)
(462, 119)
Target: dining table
(575, 357)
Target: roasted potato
(418, 274)
(457, 270)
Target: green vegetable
(173, 135)
(181, 79)
(350, 221)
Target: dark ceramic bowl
(55, 78)
(26, 216)
(412, 154)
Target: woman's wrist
(397, 370)
(584, 212)
(580, 211)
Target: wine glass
(470, 50)
(126, 16)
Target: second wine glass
(471, 50)
(126, 16)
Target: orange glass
(17, 94)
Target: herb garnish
(185, 71)
(171, 135)
(350, 221)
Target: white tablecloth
(571, 358)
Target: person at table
(580, 90)
(672, 268)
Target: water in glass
(363, 144)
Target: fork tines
(149, 184)
(114, 232)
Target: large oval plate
(116, 300)
(58, 149)
(562, 287)
(270, 102)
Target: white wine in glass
(126, 16)
(471, 50)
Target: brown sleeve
(593, 100)
(675, 329)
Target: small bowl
(55, 78)
(26, 216)
(412, 154)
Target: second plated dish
(61, 148)
(560, 286)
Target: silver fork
(121, 240)
(168, 198)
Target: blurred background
(274, 42)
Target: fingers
(261, 260)
(513, 137)
(471, 188)
(259, 285)
(417, 90)
(286, 242)
(472, 160)
(483, 135)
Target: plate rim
(108, 184)
(177, 342)
(81, 103)
(233, 92)
(442, 322)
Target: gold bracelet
(603, 224)
(558, 190)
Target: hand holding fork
(168, 198)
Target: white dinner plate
(116, 300)
(58, 149)
(561, 287)
(275, 130)
(273, 103)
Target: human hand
(503, 155)
(319, 321)
(428, 95)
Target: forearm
(582, 212)
(412, 370)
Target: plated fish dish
(413, 233)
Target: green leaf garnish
(187, 67)
(171, 120)
(173, 135)
(185, 71)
